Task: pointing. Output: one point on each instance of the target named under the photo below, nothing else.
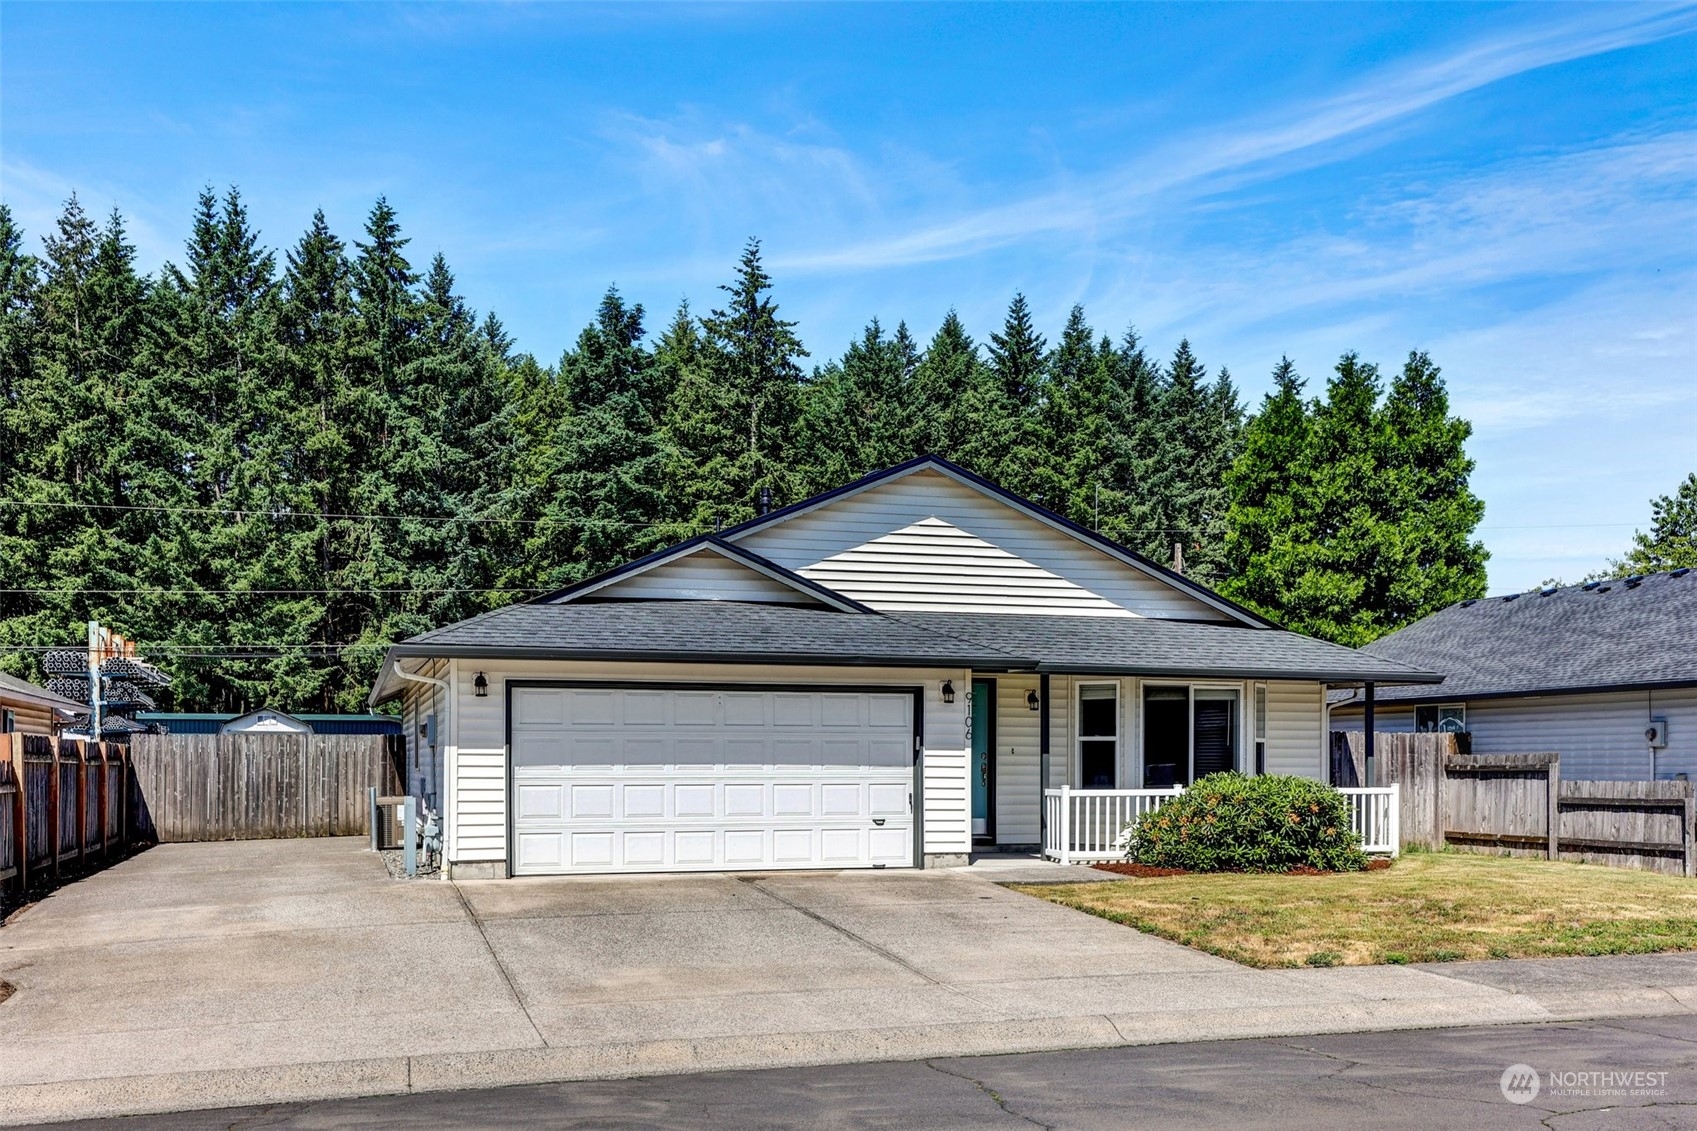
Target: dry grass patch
(1429, 907)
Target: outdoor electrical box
(1656, 733)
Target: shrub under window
(1231, 823)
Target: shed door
(637, 779)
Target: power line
(156, 592)
(241, 513)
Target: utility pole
(96, 656)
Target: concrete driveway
(211, 974)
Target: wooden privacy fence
(260, 786)
(1520, 805)
(64, 808)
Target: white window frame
(1079, 737)
(1243, 752)
(1440, 708)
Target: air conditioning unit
(1656, 733)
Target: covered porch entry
(1061, 762)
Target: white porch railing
(1088, 825)
(1084, 825)
(1376, 813)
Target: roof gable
(930, 536)
(704, 569)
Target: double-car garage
(651, 778)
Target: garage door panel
(541, 801)
(592, 708)
(655, 779)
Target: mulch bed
(1149, 871)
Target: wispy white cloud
(1236, 155)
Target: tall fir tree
(732, 419)
(1010, 442)
(941, 394)
(1671, 541)
(854, 416)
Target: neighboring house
(888, 674)
(28, 709)
(1604, 674)
(268, 720)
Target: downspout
(1368, 767)
(447, 696)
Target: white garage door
(635, 779)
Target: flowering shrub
(1231, 823)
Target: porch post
(1066, 824)
(1367, 745)
(1043, 761)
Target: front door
(983, 743)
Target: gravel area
(396, 863)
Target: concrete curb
(185, 1091)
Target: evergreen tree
(1010, 442)
(1671, 541)
(945, 385)
(731, 421)
(1197, 427)
(855, 416)
(1126, 509)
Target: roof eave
(1461, 696)
(674, 656)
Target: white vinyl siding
(1600, 736)
(477, 827)
(424, 763)
(703, 576)
(925, 542)
(1296, 730)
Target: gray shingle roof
(1616, 634)
(737, 632)
(702, 631)
(1146, 646)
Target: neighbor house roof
(1627, 633)
(11, 687)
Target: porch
(1086, 826)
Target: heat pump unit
(1656, 733)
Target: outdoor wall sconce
(480, 687)
(1031, 700)
(948, 690)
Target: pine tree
(1011, 444)
(855, 417)
(942, 391)
(1268, 520)
(1197, 431)
(1127, 509)
(731, 422)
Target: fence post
(102, 800)
(82, 806)
(20, 823)
(1396, 819)
(371, 808)
(1553, 777)
(53, 833)
(1690, 836)
(1066, 824)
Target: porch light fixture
(480, 687)
(1031, 701)
(948, 690)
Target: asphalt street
(1434, 1078)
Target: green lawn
(1429, 907)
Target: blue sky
(1508, 187)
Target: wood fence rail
(1520, 805)
(192, 787)
(64, 808)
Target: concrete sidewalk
(211, 975)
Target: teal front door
(983, 742)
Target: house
(888, 674)
(265, 720)
(1604, 673)
(28, 709)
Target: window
(8, 721)
(1260, 728)
(1189, 732)
(1098, 735)
(1447, 720)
